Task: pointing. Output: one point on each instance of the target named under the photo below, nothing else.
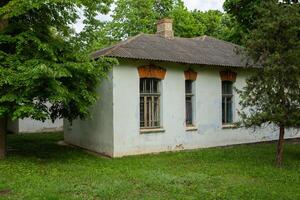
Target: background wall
(31, 126)
(28, 125)
(127, 137)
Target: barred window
(149, 103)
(227, 102)
(189, 107)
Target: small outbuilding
(28, 125)
(166, 94)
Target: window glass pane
(189, 110)
(154, 85)
(156, 112)
(223, 111)
(142, 120)
(189, 102)
(142, 85)
(229, 110)
(149, 85)
(227, 87)
(148, 109)
(227, 103)
(188, 86)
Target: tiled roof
(203, 50)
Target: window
(227, 102)
(149, 103)
(189, 102)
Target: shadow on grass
(44, 148)
(40, 146)
(292, 153)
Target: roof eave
(180, 62)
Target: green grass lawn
(38, 168)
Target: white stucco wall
(95, 134)
(114, 129)
(33, 126)
(29, 125)
(127, 137)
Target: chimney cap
(165, 20)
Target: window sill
(191, 128)
(229, 126)
(152, 130)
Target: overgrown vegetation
(38, 168)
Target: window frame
(225, 97)
(190, 94)
(155, 98)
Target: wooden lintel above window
(228, 75)
(151, 71)
(190, 75)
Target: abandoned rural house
(166, 94)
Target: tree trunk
(3, 123)
(279, 154)
(3, 24)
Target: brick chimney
(165, 28)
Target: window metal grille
(189, 102)
(149, 103)
(227, 102)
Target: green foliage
(163, 8)
(186, 24)
(244, 12)
(216, 24)
(131, 17)
(42, 59)
(40, 169)
(272, 95)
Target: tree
(272, 94)
(186, 24)
(216, 24)
(244, 13)
(163, 8)
(42, 61)
(131, 17)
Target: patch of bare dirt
(5, 192)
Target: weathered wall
(33, 126)
(95, 134)
(127, 137)
(28, 125)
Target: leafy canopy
(42, 59)
(272, 95)
(131, 17)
